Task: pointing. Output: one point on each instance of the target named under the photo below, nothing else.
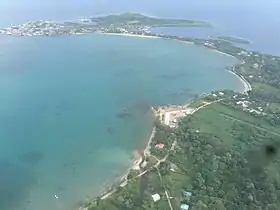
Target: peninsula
(211, 153)
(234, 39)
(203, 155)
(217, 152)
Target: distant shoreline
(246, 84)
(130, 35)
(122, 179)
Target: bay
(73, 109)
(256, 21)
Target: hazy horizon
(54, 9)
(249, 20)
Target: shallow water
(73, 109)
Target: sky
(9, 9)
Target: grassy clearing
(229, 124)
(274, 106)
(219, 126)
(174, 183)
(234, 39)
(187, 24)
(265, 88)
(197, 103)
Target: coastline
(130, 35)
(148, 146)
(217, 51)
(186, 42)
(122, 179)
(246, 84)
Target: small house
(159, 146)
(221, 93)
(187, 194)
(156, 197)
(184, 207)
(242, 103)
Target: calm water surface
(62, 102)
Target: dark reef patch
(124, 115)
(31, 158)
(142, 106)
(15, 180)
(110, 130)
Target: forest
(225, 156)
(233, 159)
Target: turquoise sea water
(73, 109)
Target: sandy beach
(148, 147)
(132, 35)
(138, 159)
(155, 37)
(121, 180)
(217, 51)
(186, 42)
(247, 85)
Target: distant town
(202, 148)
(134, 23)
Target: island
(234, 39)
(124, 22)
(218, 152)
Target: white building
(156, 197)
(242, 103)
(184, 207)
(256, 66)
(172, 169)
(221, 93)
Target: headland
(158, 157)
(250, 71)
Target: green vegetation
(135, 195)
(197, 103)
(133, 23)
(134, 19)
(274, 107)
(229, 168)
(234, 39)
(218, 157)
(225, 154)
(265, 88)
